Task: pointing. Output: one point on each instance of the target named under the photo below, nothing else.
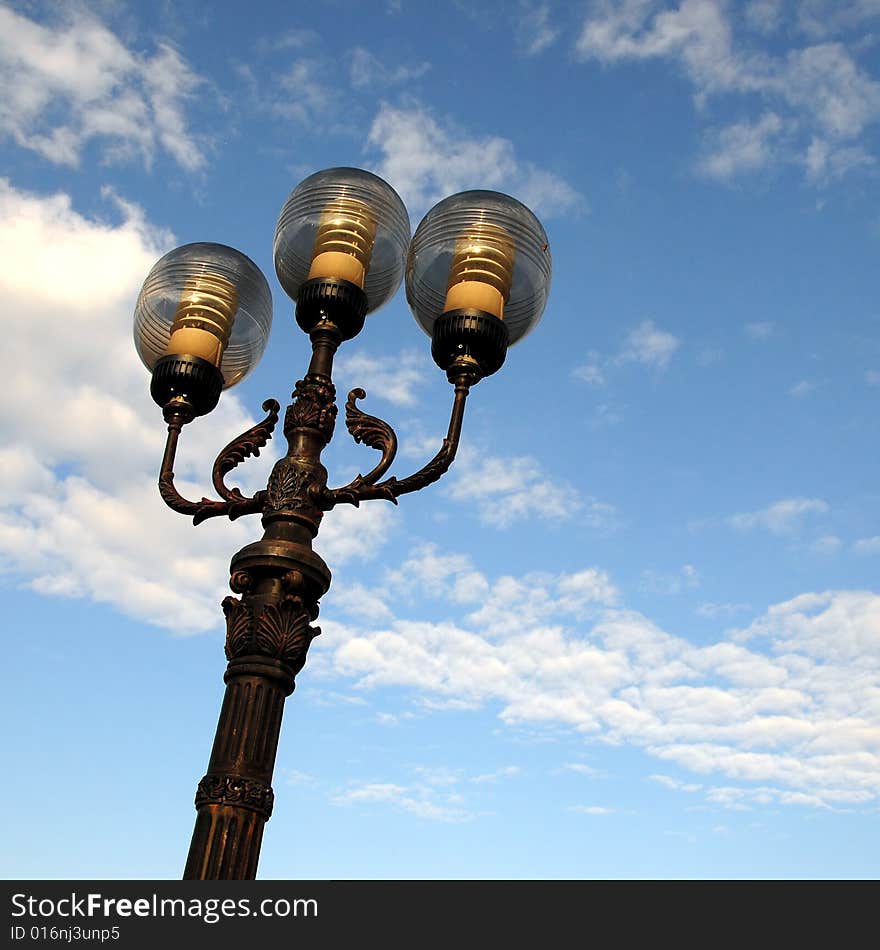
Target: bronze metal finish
(279, 579)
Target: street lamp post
(477, 278)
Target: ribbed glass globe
(344, 223)
(481, 250)
(205, 300)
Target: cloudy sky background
(636, 630)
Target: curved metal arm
(235, 504)
(364, 488)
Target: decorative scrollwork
(314, 407)
(371, 431)
(234, 790)
(246, 445)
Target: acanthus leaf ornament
(279, 631)
(314, 407)
(288, 486)
(246, 445)
(239, 620)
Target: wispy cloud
(782, 517)
(867, 545)
(68, 85)
(644, 345)
(786, 702)
(815, 100)
(648, 345)
(669, 782)
(802, 389)
(665, 582)
(395, 378)
(418, 802)
(536, 30)
(426, 159)
(741, 147)
(508, 489)
(369, 72)
(759, 331)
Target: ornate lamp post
(477, 278)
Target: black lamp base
(472, 333)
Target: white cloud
(426, 571)
(826, 162)
(782, 517)
(426, 160)
(675, 783)
(834, 625)
(648, 345)
(827, 545)
(822, 18)
(764, 16)
(645, 345)
(68, 85)
(867, 545)
(582, 769)
(308, 93)
(431, 797)
(813, 93)
(801, 389)
(507, 489)
(591, 372)
(591, 809)
(367, 71)
(720, 610)
(393, 378)
(535, 29)
(742, 146)
(359, 601)
(508, 771)
(872, 377)
(83, 439)
(761, 330)
(660, 582)
(295, 777)
(790, 701)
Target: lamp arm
(366, 428)
(235, 504)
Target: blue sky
(635, 632)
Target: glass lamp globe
(206, 301)
(481, 261)
(343, 224)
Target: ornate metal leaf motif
(246, 445)
(238, 626)
(287, 485)
(314, 407)
(284, 632)
(371, 431)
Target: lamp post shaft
(234, 800)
